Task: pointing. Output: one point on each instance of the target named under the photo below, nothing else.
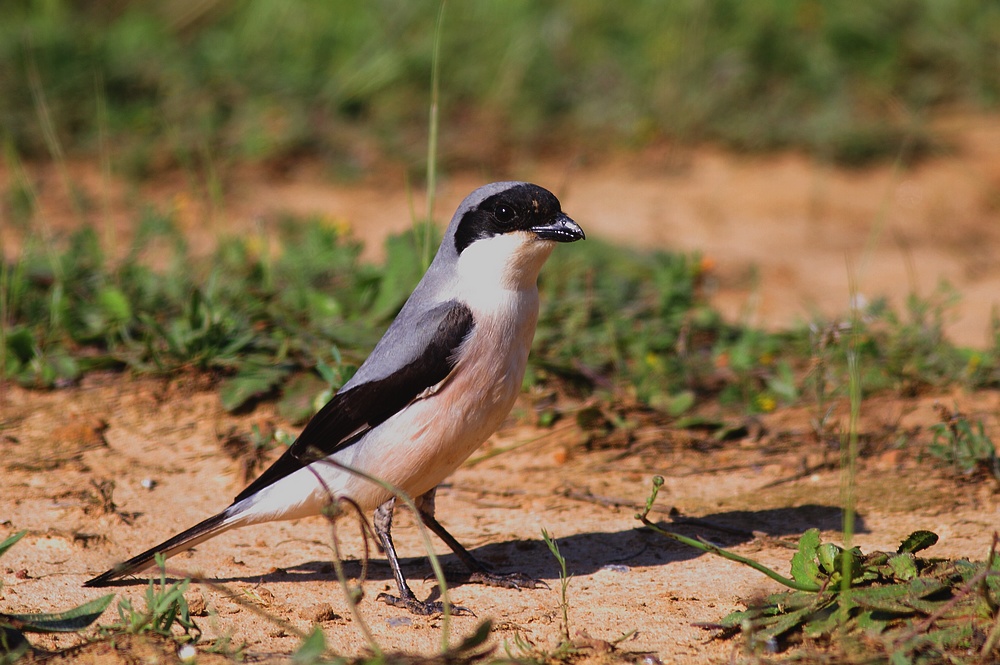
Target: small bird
(439, 383)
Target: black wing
(353, 411)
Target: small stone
(320, 613)
(196, 603)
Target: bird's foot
(507, 580)
(423, 607)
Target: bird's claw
(423, 607)
(508, 580)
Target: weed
(523, 650)
(823, 339)
(632, 327)
(564, 579)
(957, 442)
(165, 608)
(902, 606)
(908, 351)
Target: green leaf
(13, 645)
(114, 304)
(311, 649)
(822, 622)
(673, 405)
(868, 623)
(827, 554)
(252, 381)
(783, 383)
(736, 619)
(903, 566)
(11, 540)
(69, 621)
(21, 343)
(900, 599)
(785, 623)
(477, 638)
(855, 557)
(916, 541)
(805, 570)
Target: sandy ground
(782, 232)
(755, 495)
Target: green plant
(564, 579)
(13, 643)
(521, 649)
(908, 608)
(754, 75)
(964, 445)
(165, 608)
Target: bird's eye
(504, 214)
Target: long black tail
(185, 540)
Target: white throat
(511, 262)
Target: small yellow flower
(766, 403)
(339, 224)
(766, 358)
(654, 361)
(255, 245)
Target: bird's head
(506, 230)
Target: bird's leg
(406, 599)
(480, 572)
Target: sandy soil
(781, 232)
(755, 495)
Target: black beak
(560, 229)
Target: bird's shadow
(586, 553)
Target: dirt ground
(781, 233)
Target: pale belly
(416, 449)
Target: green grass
(964, 446)
(166, 610)
(631, 327)
(170, 83)
(845, 606)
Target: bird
(438, 383)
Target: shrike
(439, 383)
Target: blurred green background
(200, 86)
(266, 81)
